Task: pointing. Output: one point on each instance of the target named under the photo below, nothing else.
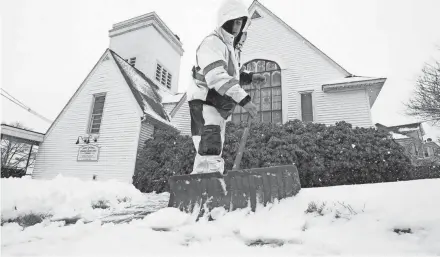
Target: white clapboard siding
(146, 132)
(182, 119)
(304, 68)
(169, 107)
(330, 110)
(119, 133)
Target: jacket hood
(230, 10)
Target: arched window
(267, 97)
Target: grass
(28, 220)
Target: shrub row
(324, 155)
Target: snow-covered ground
(368, 220)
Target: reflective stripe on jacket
(216, 75)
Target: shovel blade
(235, 190)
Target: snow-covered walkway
(398, 219)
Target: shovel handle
(244, 137)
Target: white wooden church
(132, 91)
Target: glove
(251, 108)
(258, 79)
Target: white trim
(115, 63)
(136, 106)
(284, 97)
(178, 105)
(263, 56)
(89, 126)
(106, 53)
(367, 96)
(313, 47)
(137, 149)
(22, 133)
(143, 21)
(299, 93)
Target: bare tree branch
(14, 154)
(425, 102)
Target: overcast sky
(49, 46)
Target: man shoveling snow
(216, 89)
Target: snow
(356, 220)
(398, 136)
(140, 83)
(171, 98)
(144, 87)
(65, 197)
(155, 115)
(348, 80)
(408, 129)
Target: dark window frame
(96, 115)
(268, 97)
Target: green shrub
(324, 155)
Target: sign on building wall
(88, 153)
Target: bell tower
(149, 45)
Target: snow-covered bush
(324, 155)
(29, 201)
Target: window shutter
(96, 117)
(158, 72)
(307, 107)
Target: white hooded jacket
(217, 67)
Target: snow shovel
(236, 189)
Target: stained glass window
(268, 98)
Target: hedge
(12, 172)
(324, 155)
(425, 171)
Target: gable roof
(404, 129)
(143, 89)
(178, 105)
(316, 49)
(374, 86)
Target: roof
(373, 86)
(21, 134)
(330, 60)
(352, 82)
(351, 79)
(404, 129)
(398, 135)
(144, 90)
(172, 98)
(407, 127)
(178, 105)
